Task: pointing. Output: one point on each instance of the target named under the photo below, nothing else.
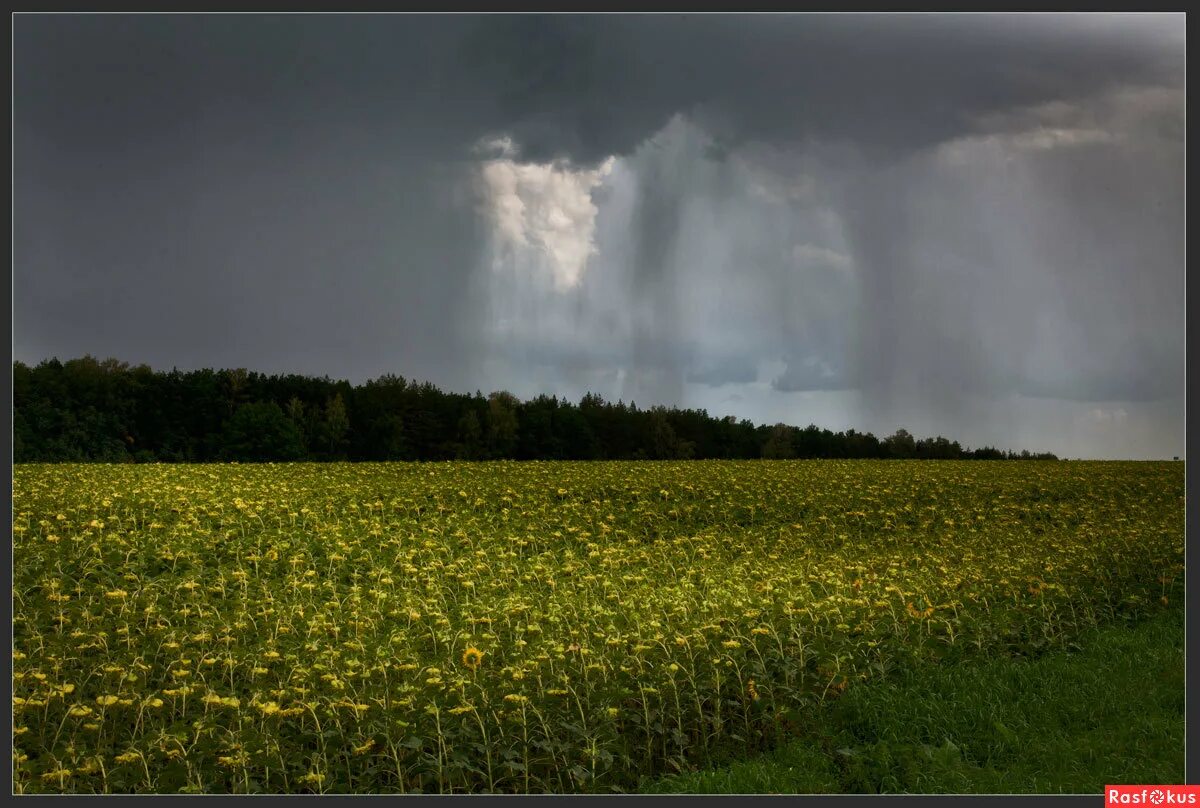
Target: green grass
(1110, 711)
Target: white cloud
(542, 208)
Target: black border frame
(1192, 381)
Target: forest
(109, 411)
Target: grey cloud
(1142, 384)
(724, 371)
(811, 373)
(991, 268)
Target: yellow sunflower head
(472, 657)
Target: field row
(529, 627)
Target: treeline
(91, 410)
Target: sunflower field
(529, 627)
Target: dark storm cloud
(892, 84)
(587, 87)
(578, 86)
(934, 210)
(211, 190)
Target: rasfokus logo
(1150, 795)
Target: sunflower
(472, 657)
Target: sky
(960, 224)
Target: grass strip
(1109, 711)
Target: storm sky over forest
(969, 224)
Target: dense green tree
(577, 440)
(234, 383)
(337, 425)
(900, 445)
(470, 437)
(104, 410)
(295, 414)
(779, 444)
(260, 432)
(390, 441)
(665, 444)
(502, 423)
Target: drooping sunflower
(472, 657)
